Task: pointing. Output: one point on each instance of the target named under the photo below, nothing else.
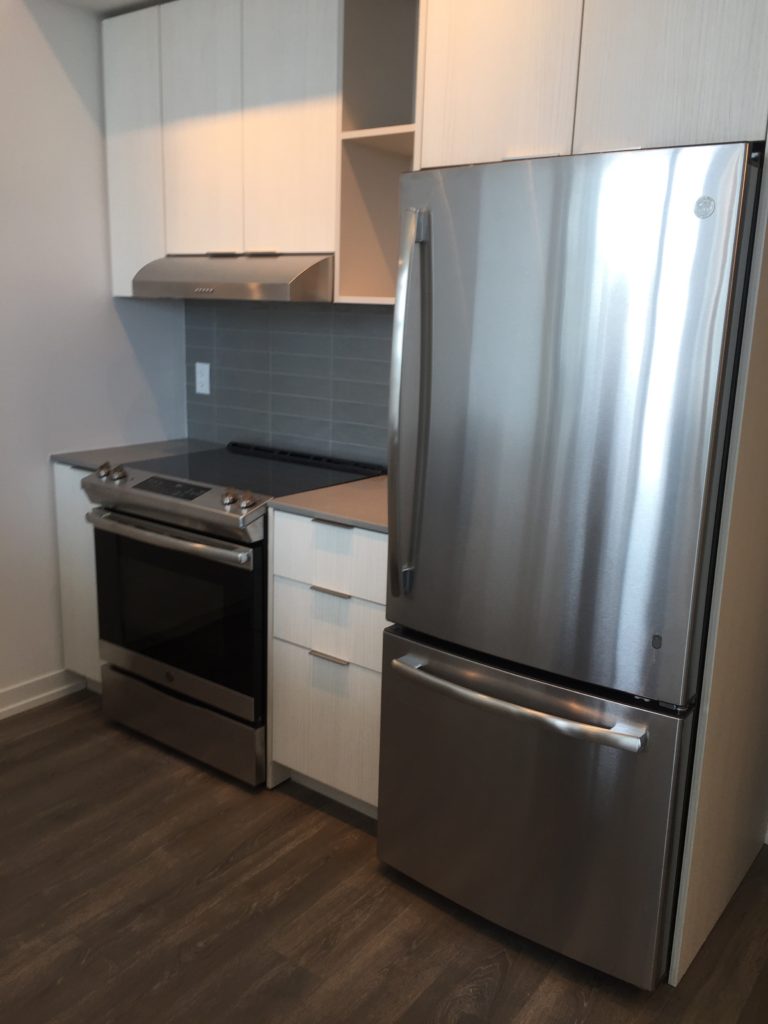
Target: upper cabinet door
(671, 73)
(499, 79)
(134, 143)
(291, 99)
(201, 61)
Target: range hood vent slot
(269, 277)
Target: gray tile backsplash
(311, 378)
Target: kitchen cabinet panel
(292, 110)
(77, 574)
(134, 143)
(342, 558)
(344, 627)
(325, 720)
(201, 62)
(671, 73)
(499, 80)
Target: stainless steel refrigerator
(565, 353)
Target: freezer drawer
(552, 813)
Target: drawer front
(555, 834)
(325, 720)
(347, 559)
(347, 628)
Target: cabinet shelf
(367, 300)
(396, 138)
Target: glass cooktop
(261, 470)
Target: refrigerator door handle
(620, 735)
(415, 232)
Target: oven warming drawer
(232, 747)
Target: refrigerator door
(559, 358)
(549, 812)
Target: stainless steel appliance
(181, 574)
(277, 277)
(565, 350)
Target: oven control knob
(104, 470)
(118, 474)
(229, 498)
(247, 500)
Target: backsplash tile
(311, 378)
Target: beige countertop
(128, 453)
(360, 503)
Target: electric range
(181, 572)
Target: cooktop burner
(261, 470)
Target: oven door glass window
(184, 612)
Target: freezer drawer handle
(624, 737)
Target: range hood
(294, 277)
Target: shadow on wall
(62, 27)
(155, 331)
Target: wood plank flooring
(138, 888)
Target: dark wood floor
(138, 887)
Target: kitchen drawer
(348, 559)
(347, 628)
(325, 720)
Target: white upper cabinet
(671, 73)
(291, 100)
(499, 79)
(201, 67)
(134, 143)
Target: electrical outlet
(202, 378)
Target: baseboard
(33, 692)
(94, 685)
(341, 798)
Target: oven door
(183, 610)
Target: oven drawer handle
(156, 536)
(620, 735)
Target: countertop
(360, 503)
(129, 453)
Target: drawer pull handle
(331, 522)
(328, 657)
(327, 590)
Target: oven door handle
(172, 540)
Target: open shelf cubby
(369, 231)
(379, 63)
(377, 143)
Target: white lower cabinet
(341, 626)
(325, 720)
(77, 574)
(325, 654)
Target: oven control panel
(171, 488)
(219, 511)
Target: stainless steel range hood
(295, 277)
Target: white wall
(77, 370)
